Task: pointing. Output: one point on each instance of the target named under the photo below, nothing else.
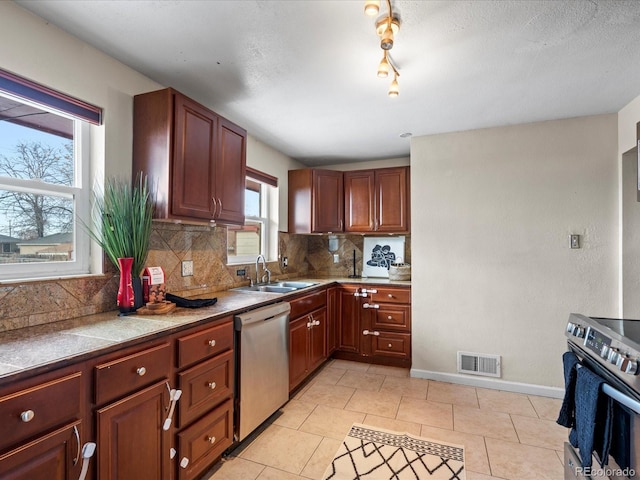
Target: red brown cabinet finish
(377, 200)
(195, 158)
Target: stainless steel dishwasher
(262, 383)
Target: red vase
(126, 297)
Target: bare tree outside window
(34, 215)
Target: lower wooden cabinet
(375, 324)
(131, 443)
(307, 345)
(54, 456)
(204, 441)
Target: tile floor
(505, 435)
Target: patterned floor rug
(375, 453)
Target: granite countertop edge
(28, 351)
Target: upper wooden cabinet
(315, 201)
(194, 158)
(377, 200)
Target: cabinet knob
(212, 343)
(27, 416)
(212, 385)
(390, 345)
(389, 317)
(211, 440)
(390, 295)
(141, 371)
(184, 462)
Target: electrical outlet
(241, 272)
(336, 258)
(285, 262)
(187, 268)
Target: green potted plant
(121, 225)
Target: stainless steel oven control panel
(613, 353)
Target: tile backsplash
(39, 302)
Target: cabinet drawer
(392, 345)
(205, 343)
(38, 409)
(204, 386)
(391, 295)
(204, 441)
(127, 374)
(308, 303)
(391, 317)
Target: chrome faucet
(267, 272)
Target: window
(43, 181)
(256, 236)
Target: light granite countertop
(27, 349)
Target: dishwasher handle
(261, 315)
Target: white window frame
(79, 192)
(267, 210)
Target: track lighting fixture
(386, 28)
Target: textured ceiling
(301, 75)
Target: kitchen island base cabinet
(131, 443)
(50, 457)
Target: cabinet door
(328, 201)
(349, 321)
(50, 457)
(131, 442)
(230, 172)
(359, 205)
(392, 200)
(318, 338)
(298, 351)
(332, 320)
(193, 180)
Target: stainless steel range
(610, 348)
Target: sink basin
(265, 288)
(277, 287)
(295, 285)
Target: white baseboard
(473, 381)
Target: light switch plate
(575, 241)
(187, 268)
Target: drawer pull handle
(212, 343)
(184, 462)
(27, 416)
(211, 440)
(141, 371)
(369, 332)
(212, 385)
(370, 305)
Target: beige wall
(492, 268)
(391, 162)
(264, 158)
(628, 118)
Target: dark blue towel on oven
(566, 417)
(621, 435)
(593, 418)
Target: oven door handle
(621, 398)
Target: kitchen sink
(276, 287)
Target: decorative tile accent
(42, 302)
